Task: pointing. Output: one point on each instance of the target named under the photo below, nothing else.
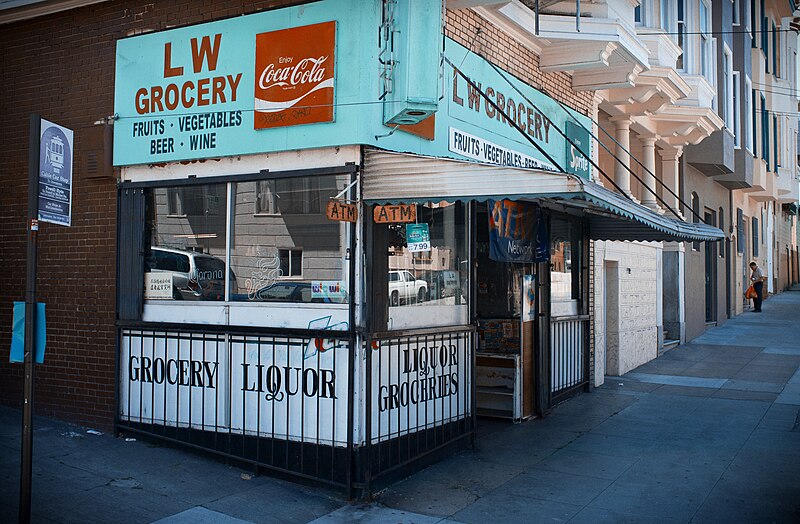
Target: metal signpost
(49, 200)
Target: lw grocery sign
(232, 87)
(194, 88)
(294, 76)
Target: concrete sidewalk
(80, 476)
(709, 432)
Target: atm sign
(395, 214)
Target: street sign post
(49, 200)
(55, 174)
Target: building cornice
(604, 53)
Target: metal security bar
(276, 400)
(419, 398)
(568, 353)
(590, 304)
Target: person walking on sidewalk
(757, 278)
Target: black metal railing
(300, 402)
(568, 354)
(420, 395)
(277, 400)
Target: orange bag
(750, 293)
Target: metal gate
(419, 398)
(568, 355)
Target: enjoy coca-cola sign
(294, 76)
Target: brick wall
(62, 66)
(478, 35)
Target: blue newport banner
(511, 231)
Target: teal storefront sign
(467, 128)
(193, 93)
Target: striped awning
(393, 178)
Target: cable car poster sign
(55, 173)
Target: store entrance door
(569, 321)
(505, 311)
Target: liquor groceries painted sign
(419, 384)
(291, 389)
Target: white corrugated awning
(404, 178)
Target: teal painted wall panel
(455, 113)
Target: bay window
(736, 110)
(726, 105)
(748, 116)
(683, 59)
(666, 19)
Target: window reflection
(437, 277)
(565, 256)
(186, 243)
(284, 248)
(561, 270)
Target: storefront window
(283, 247)
(185, 256)
(428, 269)
(565, 257)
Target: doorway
(710, 218)
(611, 313)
